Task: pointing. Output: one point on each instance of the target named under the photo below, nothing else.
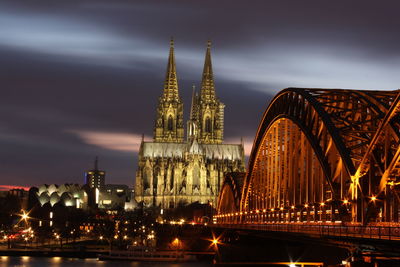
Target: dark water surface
(69, 262)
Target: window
(170, 123)
(208, 125)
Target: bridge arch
(317, 156)
(231, 193)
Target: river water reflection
(6, 261)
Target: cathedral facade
(174, 170)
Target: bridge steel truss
(322, 155)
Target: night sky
(80, 79)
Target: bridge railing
(333, 230)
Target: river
(8, 261)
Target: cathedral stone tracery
(173, 172)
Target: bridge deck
(325, 230)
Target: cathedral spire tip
(171, 42)
(208, 43)
(96, 163)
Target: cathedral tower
(210, 111)
(169, 119)
(172, 172)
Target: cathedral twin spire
(206, 113)
(207, 82)
(171, 91)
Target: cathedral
(174, 170)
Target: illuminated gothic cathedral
(173, 171)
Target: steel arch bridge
(321, 156)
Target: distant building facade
(172, 170)
(93, 194)
(95, 178)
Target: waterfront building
(173, 171)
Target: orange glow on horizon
(9, 187)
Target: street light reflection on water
(90, 262)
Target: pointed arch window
(170, 126)
(207, 125)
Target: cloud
(125, 142)
(73, 39)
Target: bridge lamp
(322, 204)
(373, 198)
(272, 209)
(306, 205)
(292, 207)
(345, 201)
(281, 208)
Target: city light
(345, 201)
(215, 241)
(24, 216)
(373, 198)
